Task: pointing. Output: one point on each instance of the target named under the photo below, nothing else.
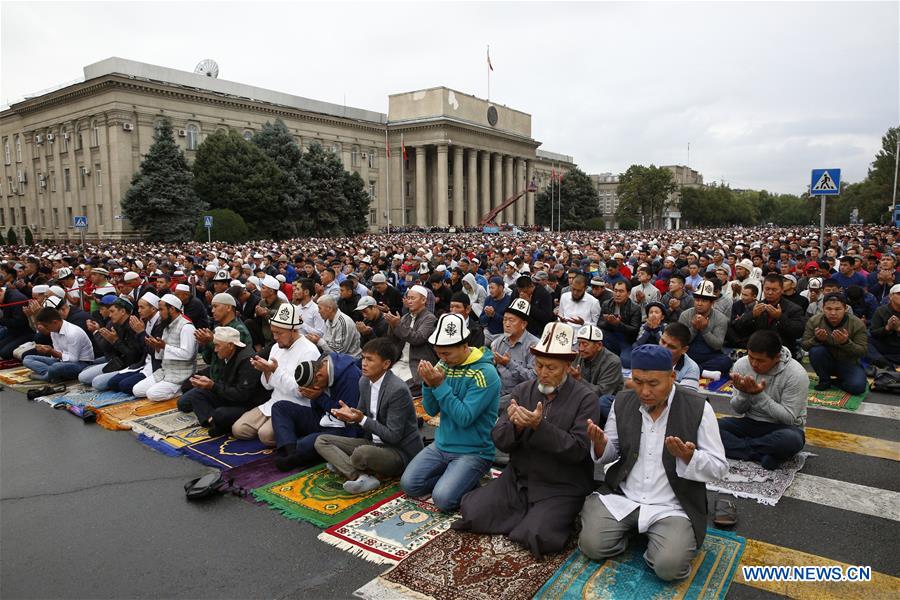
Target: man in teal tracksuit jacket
(464, 388)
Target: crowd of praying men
(549, 353)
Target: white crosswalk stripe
(846, 496)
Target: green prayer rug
(627, 576)
(317, 496)
(833, 397)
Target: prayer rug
(462, 565)
(833, 397)
(747, 479)
(420, 412)
(317, 495)
(628, 576)
(117, 416)
(387, 532)
(159, 445)
(164, 424)
(720, 387)
(83, 404)
(225, 452)
(19, 379)
(247, 477)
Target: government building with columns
(72, 151)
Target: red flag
(490, 66)
(403, 149)
(553, 175)
(387, 148)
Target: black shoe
(291, 460)
(822, 386)
(770, 462)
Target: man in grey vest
(177, 348)
(667, 444)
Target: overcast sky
(763, 92)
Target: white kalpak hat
(590, 333)
(287, 317)
(451, 330)
(556, 342)
(229, 335)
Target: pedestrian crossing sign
(825, 182)
(80, 222)
(207, 221)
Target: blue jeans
(851, 377)
(446, 476)
(616, 343)
(51, 369)
(297, 427)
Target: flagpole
(402, 180)
(559, 197)
(387, 153)
(489, 72)
(551, 199)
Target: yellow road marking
(849, 442)
(758, 553)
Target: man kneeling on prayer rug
(537, 498)
(666, 442)
(387, 418)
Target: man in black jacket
(118, 342)
(194, 308)
(541, 304)
(620, 321)
(14, 328)
(219, 403)
(774, 313)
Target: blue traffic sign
(80, 222)
(207, 221)
(825, 182)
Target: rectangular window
(65, 141)
(354, 157)
(78, 140)
(3, 217)
(95, 135)
(52, 181)
(100, 214)
(41, 183)
(98, 173)
(69, 217)
(43, 219)
(373, 190)
(84, 209)
(6, 153)
(373, 158)
(10, 186)
(24, 216)
(83, 173)
(55, 218)
(12, 217)
(67, 180)
(373, 216)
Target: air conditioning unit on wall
(127, 127)
(50, 137)
(38, 139)
(182, 133)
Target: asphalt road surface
(90, 513)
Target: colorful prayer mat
(83, 404)
(247, 477)
(117, 416)
(164, 424)
(462, 565)
(434, 421)
(747, 479)
(186, 437)
(225, 452)
(628, 576)
(387, 532)
(317, 495)
(833, 397)
(719, 387)
(19, 379)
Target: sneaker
(822, 386)
(363, 483)
(769, 462)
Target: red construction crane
(488, 219)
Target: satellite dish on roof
(207, 67)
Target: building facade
(607, 188)
(73, 151)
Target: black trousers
(204, 404)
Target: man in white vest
(177, 349)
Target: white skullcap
(418, 289)
(172, 300)
(151, 299)
(182, 287)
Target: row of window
(16, 185)
(55, 213)
(47, 139)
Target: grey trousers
(671, 544)
(354, 456)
